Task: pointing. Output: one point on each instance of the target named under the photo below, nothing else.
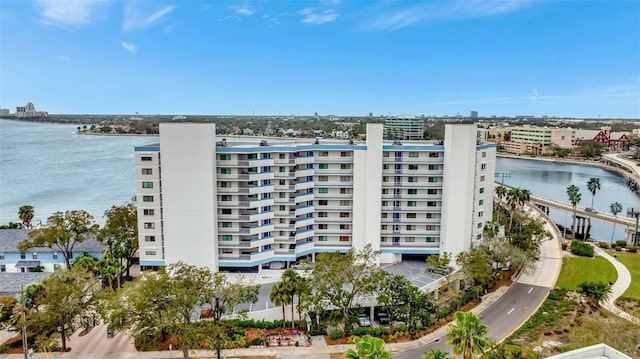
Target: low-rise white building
(229, 203)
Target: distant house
(12, 260)
(605, 137)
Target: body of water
(551, 180)
(52, 168)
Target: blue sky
(555, 58)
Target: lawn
(632, 262)
(576, 270)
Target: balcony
(303, 197)
(257, 203)
(260, 189)
(303, 234)
(305, 246)
(303, 160)
(259, 162)
(241, 260)
(303, 210)
(303, 185)
(304, 172)
(303, 222)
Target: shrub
(336, 334)
(256, 341)
(632, 249)
(604, 245)
(618, 249)
(400, 328)
(621, 243)
(581, 249)
(564, 246)
(374, 332)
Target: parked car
(383, 318)
(590, 210)
(364, 321)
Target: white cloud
(129, 47)
(68, 12)
(135, 18)
(63, 58)
(394, 19)
(244, 10)
(310, 16)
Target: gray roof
(10, 282)
(9, 239)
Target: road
(96, 342)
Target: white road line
(511, 311)
(529, 292)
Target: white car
(364, 321)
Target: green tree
(476, 265)
(435, 354)
(403, 301)
(573, 192)
(63, 232)
(120, 235)
(337, 279)
(293, 284)
(590, 149)
(615, 208)
(468, 336)
(368, 347)
(596, 292)
(593, 185)
(280, 296)
(25, 213)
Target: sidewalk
(619, 287)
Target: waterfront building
(12, 260)
(604, 136)
(404, 127)
(29, 110)
(241, 203)
(534, 140)
(497, 135)
(4, 112)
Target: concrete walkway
(619, 287)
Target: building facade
(534, 140)
(240, 204)
(404, 127)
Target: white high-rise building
(230, 203)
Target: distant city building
(179, 118)
(4, 112)
(605, 137)
(473, 115)
(534, 140)
(29, 110)
(240, 203)
(404, 127)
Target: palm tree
(573, 192)
(596, 292)
(280, 296)
(594, 186)
(25, 213)
(615, 208)
(291, 283)
(435, 354)
(501, 192)
(467, 335)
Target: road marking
(529, 292)
(511, 311)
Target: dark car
(383, 318)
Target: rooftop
(10, 238)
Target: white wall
(458, 188)
(187, 154)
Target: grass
(576, 270)
(632, 262)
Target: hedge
(581, 249)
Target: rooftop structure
(239, 204)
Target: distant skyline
(505, 58)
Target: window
(282, 169)
(480, 225)
(227, 251)
(225, 171)
(433, 179)
(227, 225)
(55, 255)
(385, 154)
(412, 191)
(150, 253)
(323, 190)
(483, 166)
(411, 227)
(411, 179)
(345, 178)
(481, 202)
(148, 212)
(385, 203)
(225, 157)
(283, 195)
(147, 171)
(34, 255)
(344, 214)
(149, 225)
(410, 239)
(432, 203)
(147, 198)
(23, 256)
(433, 167)
(385, 167)
(411, 215)
(1, 255)
(344, 238)
(345, 154)
(383, 239)
(323, 226)
(385, 191)
(411, 203)
(344, 226)
(481, 213)
(282, 156)
(322, 202)
(226, 211)
(432, 191)
(323, 166)
(147, 184)
(383, 215)
(383, 227)
(413, 167)
(481, 178)
(323, 178)
(149, 238)
(225, 198)
(322, 214)
(481, 189)
(385, 179)
(431, 227)
(484, 154)
(413, 154)
(433, 155)
(345, 166)
(282, 208)
(227, 237)
(345, 190)
(146, 158)
(344, 203)
(322, 238)
(431, 239)
(3, 268)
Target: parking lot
(415, 271)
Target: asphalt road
(502, 317)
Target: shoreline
(585, 162)
(117, 134)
